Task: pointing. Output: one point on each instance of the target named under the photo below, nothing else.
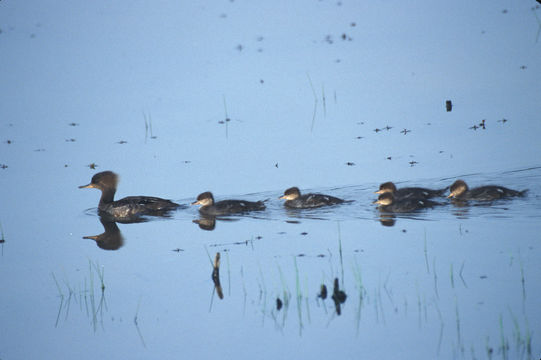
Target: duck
(295, 200)
(409, 192)
(129, 208)
(225, 207)
(388, 203)
(460, 191)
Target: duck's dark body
(388, 203)
(308, 201)
(134, 206)
(227, 207)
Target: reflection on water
(338, 296)
(216, 276)
(87, 296)
(111, 238)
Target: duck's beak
(375, 202)
(378, 192)
(196, 202)
(89, 186)
(450, 195)
(282, 197)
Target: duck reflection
(208, 222)
(111, 239)
(216, 276)
(387, 219)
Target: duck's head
(385, 199)
(102, 180)
(204, 199)
(291, 194)
(458, 188)
(387, 187)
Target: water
(147, 93)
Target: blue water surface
(246, 99)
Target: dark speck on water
(279, 304)
(448, 105)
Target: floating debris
(523, 67)
(239, 47)
(121, 142)
(92, 166)
(322, 292)
(413, 162)
(3, 166)
(73, 124)
(338, 296)
(376, 130)
(389, 157)
(387, 127)
(304, 233)
(177, 250)
(349, 163)
(9, 142)
(405, 131)
(70, 140)
(448, 105)
(503, 121)
(482, 124)
(279, 304)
